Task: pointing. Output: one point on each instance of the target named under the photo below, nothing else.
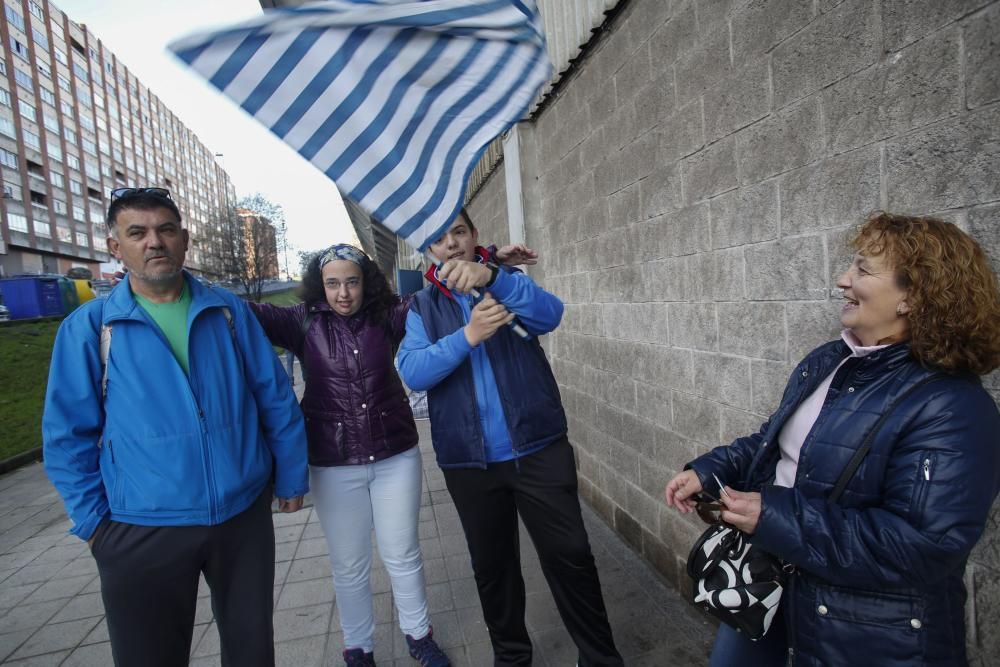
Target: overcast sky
(256, 160)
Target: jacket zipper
(475, 401)
(925, 472)
(206, 453)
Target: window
(28, 110)
(81, 239)
(51, 122)
(81, 72)
(59, 205)
(24, 79)
(57, 180)
(17, 223)
(61, 57)
(7, 127)
(64, 83)
(89, 147)
(12, 191)
(43, 229)
(73, 162)
(36, 11)
(5, 97)
(19, 49)
(86, 122)
(32, 139)
(70, 134)
(8, 159)
(64, 234)
(92, 170)
(78, 213)
(43, 69)
(96, 215)
(47, 95)
(40, 38)
(55, 152)
(14, 17)
(76, 187)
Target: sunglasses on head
(118, 193)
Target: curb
(19, 460)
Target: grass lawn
(286, 298)
(25, 350)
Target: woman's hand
(741, 510)
(680, 490)
(513, 255)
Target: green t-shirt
(172, 319)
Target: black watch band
(494, 270)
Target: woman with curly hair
(877, 577)
(364, 464)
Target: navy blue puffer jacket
(878, 576)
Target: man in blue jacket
(165, 445)
(499, 433)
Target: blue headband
(342, 251)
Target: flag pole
(518, 329)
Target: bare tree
(251, 256)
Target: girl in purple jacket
(365, 466)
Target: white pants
(350, 501)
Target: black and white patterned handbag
(739, 585)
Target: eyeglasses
(118, 193)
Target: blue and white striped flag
(395, 100)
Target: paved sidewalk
(51, 611)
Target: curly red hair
(954, 318)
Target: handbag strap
(859, 455)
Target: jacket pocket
(856, 626)
(326, 434)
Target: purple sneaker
(356, 657)
(426, 651)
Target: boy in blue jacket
(165, 443)
(499, 433)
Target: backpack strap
(859, 456)
(105, 347)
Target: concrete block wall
(691, 189)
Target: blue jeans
(351, 501)
(732, 648)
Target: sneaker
(356, 657)
(426, 651)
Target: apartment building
(75, 123)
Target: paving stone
(302, 569)
(10, 641)
(305, 652)
(304, 594)
(57, 588)
(92, 655)
(56, 637)
(301, 622)
(81, 606)
(98, 634)
(313, 547)
(47, 660)
(30, 616)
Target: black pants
(149, 583)
(542, 488)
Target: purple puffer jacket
(355, 407)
